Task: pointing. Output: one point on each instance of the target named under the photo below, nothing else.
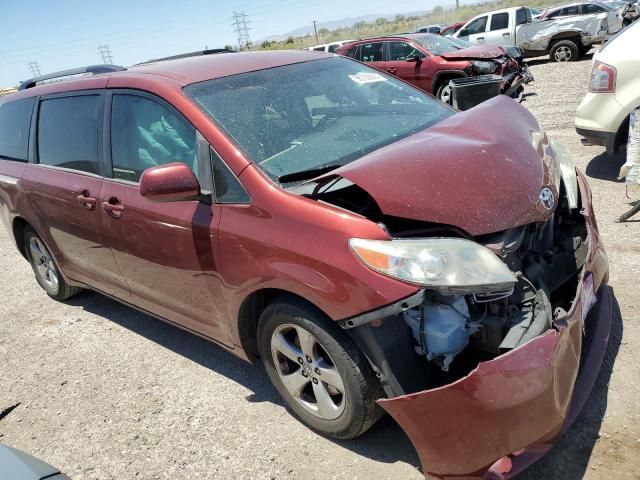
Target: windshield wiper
(307, 174)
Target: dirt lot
(106, 392)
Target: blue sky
(66, 34)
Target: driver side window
(145, 134)
(479, 25)
(399, 51)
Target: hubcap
(445, 95)
(45, 268)
(563, 54)
(308, 372)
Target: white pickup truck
(564, 38)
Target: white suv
(614, 92)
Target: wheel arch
(571, 35)
(18, 227)
(444, 76)
(249, 315)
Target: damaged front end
(485, 363)
(481, 379)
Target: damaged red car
(430, 62)
(377, 250)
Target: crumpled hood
(478, 52)
(481, 170)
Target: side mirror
(413, 59)
(173, 182)
(463, 33)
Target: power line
(35, 69)
(105, 53)
(240, 23)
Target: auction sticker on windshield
(367, 77)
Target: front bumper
(507, 413)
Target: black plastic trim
(387, 311)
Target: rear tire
(335, 393)
(45, 268)
(564, 51)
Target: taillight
(603, 78)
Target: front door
(418, 73)
(475, 32)
(63, 184)
(168, 252)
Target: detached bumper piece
(520, 399)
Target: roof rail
(211, 51)
(93, 69)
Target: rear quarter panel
(10, 174)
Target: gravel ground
(106, 392)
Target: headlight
(448, 265)
(484, 67)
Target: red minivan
(374, 248)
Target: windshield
(314, 115)
(437, 45)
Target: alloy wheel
(42, 260)
(445, 95)
(308, 372)
(563, 54)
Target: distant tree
(290, 40)
(438, 10)
(381, 21)
(229, 47)
(266, 44)
(400, 18)
(323, 31)
(359, 24)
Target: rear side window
(68, 132)
(499, 21)
(146, 134)
(15, 118)
(371, 52)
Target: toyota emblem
(547, 198)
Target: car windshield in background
(314, 116)
(438, 45)
(463, 43)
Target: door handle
(506, 34)
(480, 38)
(86, 201)
(392, 70)
(113, 208)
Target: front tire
(564, 51)
(445, 93)
(324, 379)
(45, 268)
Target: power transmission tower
(240, 23)
(316, 31)
(105, 53)
(35, 69)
